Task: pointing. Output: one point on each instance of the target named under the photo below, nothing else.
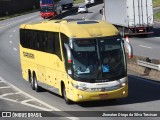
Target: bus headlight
(123, 84)
(79, 87)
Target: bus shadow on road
(140, 90)
(156, 32)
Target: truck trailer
(67, 3)
(131, 17)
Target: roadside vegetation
(156, 3)
(78, 1)
(15, 15)
(157, 16)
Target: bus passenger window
(50, 42)
(57, 45)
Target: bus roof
(75, 28)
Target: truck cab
(89, 1)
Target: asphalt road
(143, 94)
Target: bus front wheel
(65, 96)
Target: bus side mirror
(69, 61)
(69, 54)
(129, 49)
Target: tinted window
(41, 41)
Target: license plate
(103, 95)
(140, 30)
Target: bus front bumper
(47, 14)
(79, 96)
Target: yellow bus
(81, 60)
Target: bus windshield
(99, 59)
(47, 8)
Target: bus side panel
(24, 67)
(54, 76)
(26, 62)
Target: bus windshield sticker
(83, 71)
(105, 68)
(69, 72)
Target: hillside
(156, 3)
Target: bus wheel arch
(63, 92)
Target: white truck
(66, 3)
(89, 1)
(131, 17)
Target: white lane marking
(3, 95)
(51, 108)
(45, 104)
(15, 49)
(156, 22)
(145, 46)
(10, 36)
(10, 23)
(31, 105)
(25, 101)
(156, 37)
(10, 42)
(73, 118)
(8, 99)
(16, 101)
(4, 87)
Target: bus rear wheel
(29, 76)
(37, 87)
(32, 83)
(65, 96)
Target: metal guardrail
(148, 65)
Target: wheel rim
(64, 93)
(68, 101)
(35, 83)
(32, 81)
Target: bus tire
(29, 76)
(37, 87)
(32, 83)
(65, 96)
